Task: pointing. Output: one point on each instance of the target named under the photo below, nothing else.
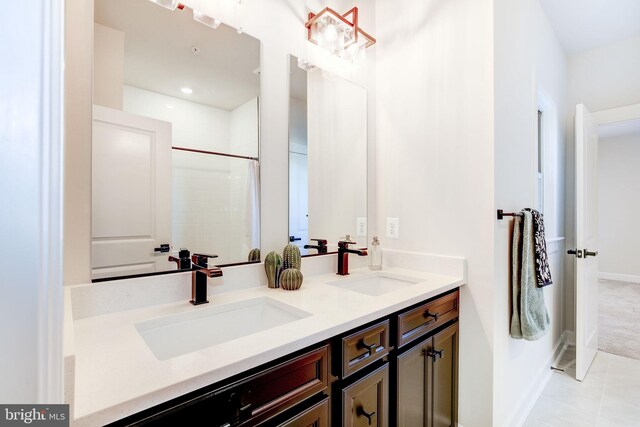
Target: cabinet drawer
(364, 347)
(316, 416)
(279, 388)
(366, 402)
(423, 319)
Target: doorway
(618, 207)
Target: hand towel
(543, 272)
(529, 317)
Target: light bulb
(330, 33)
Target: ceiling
(159, 57)
(582, 25)
(616, 129)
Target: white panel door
(298, 199)
(586, 241)
(131, 193)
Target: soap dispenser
(375, 255)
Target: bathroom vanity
(336, 352)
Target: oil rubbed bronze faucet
(321, 246)
(343, 254)
(184, 259)
(200, 273)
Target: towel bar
(502, 214)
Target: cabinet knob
(362, 412)
(435, 354)
(432, 315)
(370, 347)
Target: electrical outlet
(393, 228)
(361, 226)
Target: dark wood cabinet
(427, 381)
(426, 318)
(316, 416)
(363, 347)
(366, 402)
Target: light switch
(393, 228)
(361, 226)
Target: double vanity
(371, 348)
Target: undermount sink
(377, 284)
(184, 333)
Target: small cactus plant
(291, 279)
(254, 255)
(291, 257)
(273, 267)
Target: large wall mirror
(175, 139)
(327, 158)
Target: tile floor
(619, 319)
(609, 396)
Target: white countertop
(117, 375)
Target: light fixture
(169, 4)
(205, 19)
(186, 90)
(340, 34)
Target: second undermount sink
(184, 333)
(375, 284)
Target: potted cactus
(273, 268)
(291, 279)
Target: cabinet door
(316, 416)
(414, 378)
(366, 402)
(445, 377)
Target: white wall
(298, 126)
(619, 204)
(31, 190)
(434, 159)
(529, 61)
(602, 78)
(108, 66)
(337, 157)
(77, 140)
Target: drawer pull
(434, 316)
(435, 353)
(361, 411)
(370, 347)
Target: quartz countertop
(117, 375)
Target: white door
(131, 193)
(298, 199)
(586, 241)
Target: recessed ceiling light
(186, 90)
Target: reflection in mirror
(175, 140)
(327, 159)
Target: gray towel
(529, 317)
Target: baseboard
(571, 337)
(519, 415)
(619, 277)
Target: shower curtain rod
(235, 156)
